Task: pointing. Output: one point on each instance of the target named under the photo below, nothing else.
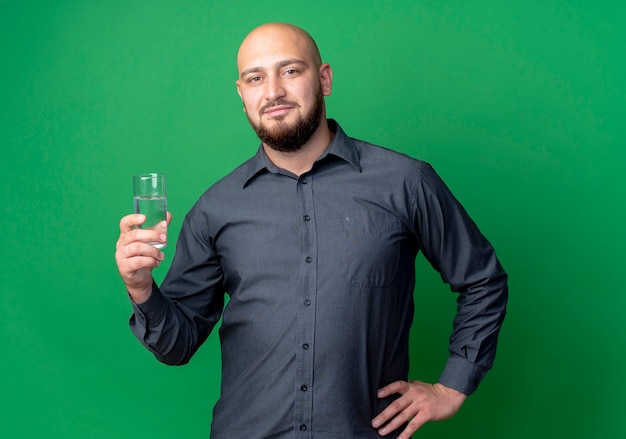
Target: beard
(290, 138)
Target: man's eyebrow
(250, 70)
(279, 64)
(291, 61)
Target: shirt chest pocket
(371, 246)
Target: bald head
(278, 39)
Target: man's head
(282, 83)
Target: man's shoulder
(225, 188)
(375, 156)
(237, 177)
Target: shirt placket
(304, 385)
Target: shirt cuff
(150, 311)
(462, 375)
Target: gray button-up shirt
(319, 273)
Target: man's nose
(275, 89)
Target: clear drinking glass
(150, 200)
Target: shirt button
(307, 302)
(302, 427)
(305, 346)
(307, 218)
(303, 387)
(309, 259)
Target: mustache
(271, 104)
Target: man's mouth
(277, 110)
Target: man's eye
(254, 79)
(291, 72)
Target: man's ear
(238, 84)
(326, 79)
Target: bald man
(314, 240)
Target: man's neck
(301, 161)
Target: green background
(518, 105)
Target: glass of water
(150, 200)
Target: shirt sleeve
(455, 247)
(179, 316)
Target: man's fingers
(140, 262)
(390, 419)
(395, 387)
(390, 412)
(155, 234)
(129, 222)
(138, 249)
(415, 424)
(397, 406)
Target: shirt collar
(341, 146)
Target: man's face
(282, 87)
